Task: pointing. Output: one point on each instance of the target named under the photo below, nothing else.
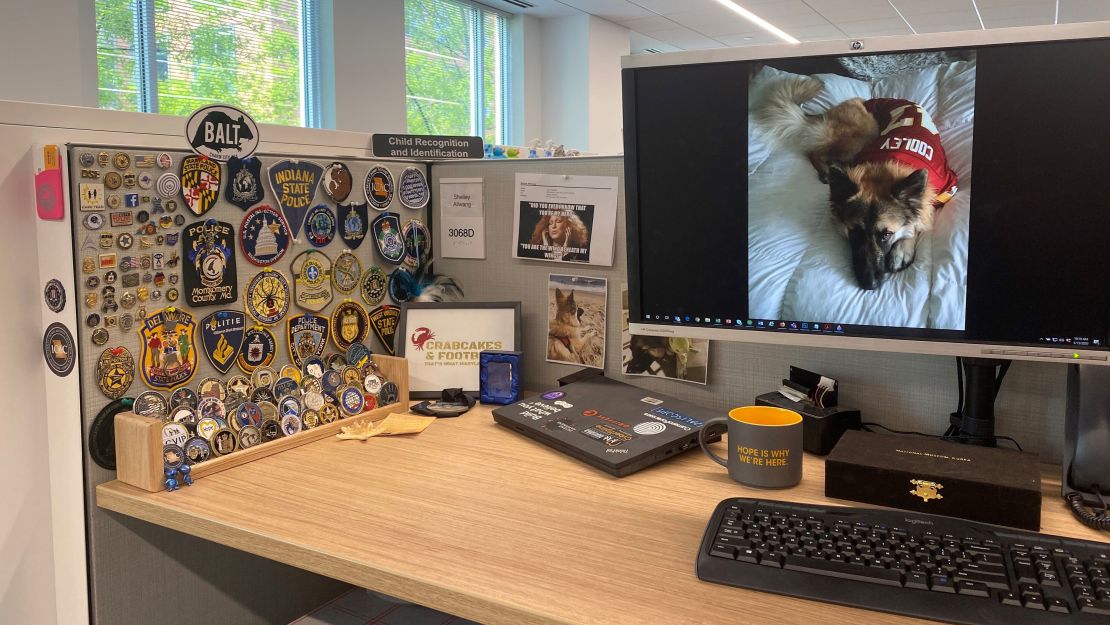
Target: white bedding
(799, 265)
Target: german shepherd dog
(564, 332)
(882, 159)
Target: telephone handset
(1086, 465)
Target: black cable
(1001, 374)
(102, 433)
(945, 436)
(1094, 520)
(960, 384)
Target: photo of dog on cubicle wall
(859, 187)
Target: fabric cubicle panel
(901, 391)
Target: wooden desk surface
(480, 522)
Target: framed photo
(442, 340)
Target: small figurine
(186, 476)
(560, 150)
(549, 149)
(498, 151)
(534, 149)
(512, 151)
(171, 481)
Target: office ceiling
(669, 25)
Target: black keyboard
(907, 563)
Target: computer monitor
(941, 194)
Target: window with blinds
(456, 69)
(174, 56)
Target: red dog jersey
(907, 135)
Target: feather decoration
(426, 285)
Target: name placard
(427, 146)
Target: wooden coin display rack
(139, 439)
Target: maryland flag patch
(200, 183)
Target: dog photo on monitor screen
(880, 173)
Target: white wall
(608, 43)
(566, 85)
(369, 44)
(527, 77)
(580, 59)
(49, 51)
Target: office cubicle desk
(478, 521)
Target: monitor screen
(951, 195)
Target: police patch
(418, 243)
(209, 273)
(319, 225)
(264, 235)
(352, 224)
(379, 187)
(267, 297)
(414, 191)
(259, 348)
(307, 336)
(373, 286)
(350, 324)
(221, 336)
(200, 183)
(244, 187)
(388, 237)
(312, 280)
(115, 371)
(337, 182)
(168, 358)
(294, 186)
(384, 321)
(220, 132)
(346, 272)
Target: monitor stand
(973, 422)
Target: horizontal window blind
(456, 69)
(173, 56)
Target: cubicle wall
(901, 391)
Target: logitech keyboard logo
(918, 521)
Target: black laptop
(615, 427)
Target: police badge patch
(312, 280)
(115, 371)
(379, 187)
(414, 188)
(209, 275)
(200, 183)
(388, 237)
(267, 297)
(337, 182)
(259, 348)
(169, 357)
(350, 324)
(264, 235)
(294, 186)
(244, 177)
(319, 226)
(352, 224)
(384, 321)
(307, 336)
(346, 272)
(418, 243)
(221, 336)
(373, 286)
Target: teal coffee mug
(764, 446)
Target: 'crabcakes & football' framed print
(442, 342)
